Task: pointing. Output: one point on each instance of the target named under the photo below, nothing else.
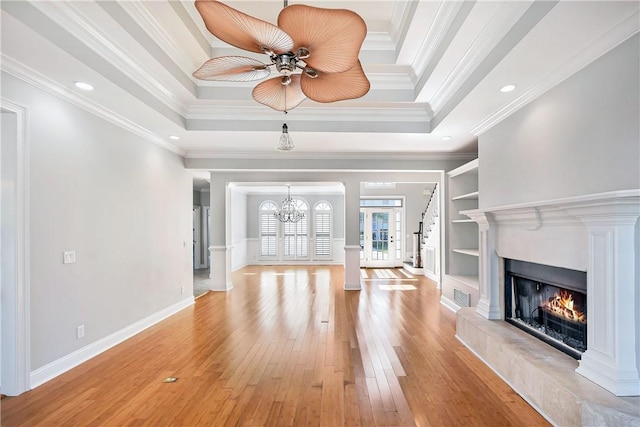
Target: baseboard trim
(433, 277)
(70, 361)
(449, 304)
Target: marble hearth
(597, 234)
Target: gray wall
(336, 200)
(122, 203)
(581, 137)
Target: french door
(377, 243)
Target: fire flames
(562, 304)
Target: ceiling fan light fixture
(286, 63)
(333, 73)
(303, 53)
(286, 80)
(310, 72)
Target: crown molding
(411, 112)
(491, 34)
(619, 34)
(276, 155)
(149, 24)
(68, 16)
(445, 16)
(38, 80)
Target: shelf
(468, 196)
(469, 168)
(471, 252)
(459, 221)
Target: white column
(220, 269)
(352, 235)
(489, 301)
(611, 359)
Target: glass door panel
(377, 248)
(379, 236)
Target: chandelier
(288, 211)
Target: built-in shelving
(471, 252)
(461, 265)
(469, 196)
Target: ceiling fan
(322, 43)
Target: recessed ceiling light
(175, 138)
(446, 138)
(83, 86)
(507, 88)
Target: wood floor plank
(287, 346)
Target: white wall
(581, 137)
(238, 229)
(122, 203)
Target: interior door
(377, 245)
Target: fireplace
(549, 303)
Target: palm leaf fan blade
(241, 30)
(332, 36)
(232, 68)
(274, 94)
(334, 87)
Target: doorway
(201, 254)
(381, 237)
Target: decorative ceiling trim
(71, 19)
(491, 34)
(445, 16)
(38, 80)
(619, 34)
(534, 14)
(406, 113)
(150, 25)
(401, 21)
(213, 154)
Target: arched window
(268, 229)
(296, 234)
(322, 216)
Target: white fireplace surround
(596, 233)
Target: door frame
(392, 261)
(16, 349)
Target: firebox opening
(549, 303)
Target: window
(296, 234)
(322, 219)
(381, 203)
(268, 230)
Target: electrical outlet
(69, 257)
(80, 331)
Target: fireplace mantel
(593, 233)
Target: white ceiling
(435, 68)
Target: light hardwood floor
(287, 347)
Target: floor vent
(461, 298)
